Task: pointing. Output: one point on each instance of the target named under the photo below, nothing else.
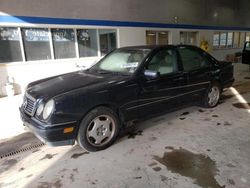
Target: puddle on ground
(56, 184)
(157, 169)
(242, 105)
(30, 175)
(134, 134)
(201, 110)
(231, 181)
(138, 177)
(184, 113)
(206, 119)
(197, 166)
(226, 123)
(76, 155)
(72, 178)
(21, 169)
(153, 138)
(48, 156)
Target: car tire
(212, 95)
(98, 129)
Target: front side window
(192, 59)
(64, 43)
(10, 50)
(36, 43)
(122, 60)
(163, 62)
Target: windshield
(122, 60)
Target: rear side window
(193, 59)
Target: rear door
(246, 54)
(198, 68)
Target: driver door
(163, 92)
(246, 54)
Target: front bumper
(52, 135)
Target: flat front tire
(98, 129)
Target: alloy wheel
(100, 130)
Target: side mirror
(151, 74)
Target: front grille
(29, 105)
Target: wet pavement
(199, 167)
(189, 148)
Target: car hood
(57, 85)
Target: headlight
(39, 109)
(48, 109)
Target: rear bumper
(52, 135)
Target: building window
(151, 38)
(223, 39)
(10, 50)
(63, 43)
(87, 42)
(36, 43)
(107, 39)
(30, 44)
(236, 40)
(188, 38)
(162, 37)
(156, 37)
(230, 39)
(227, 39)
(216, 39)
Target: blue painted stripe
(67, 21)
